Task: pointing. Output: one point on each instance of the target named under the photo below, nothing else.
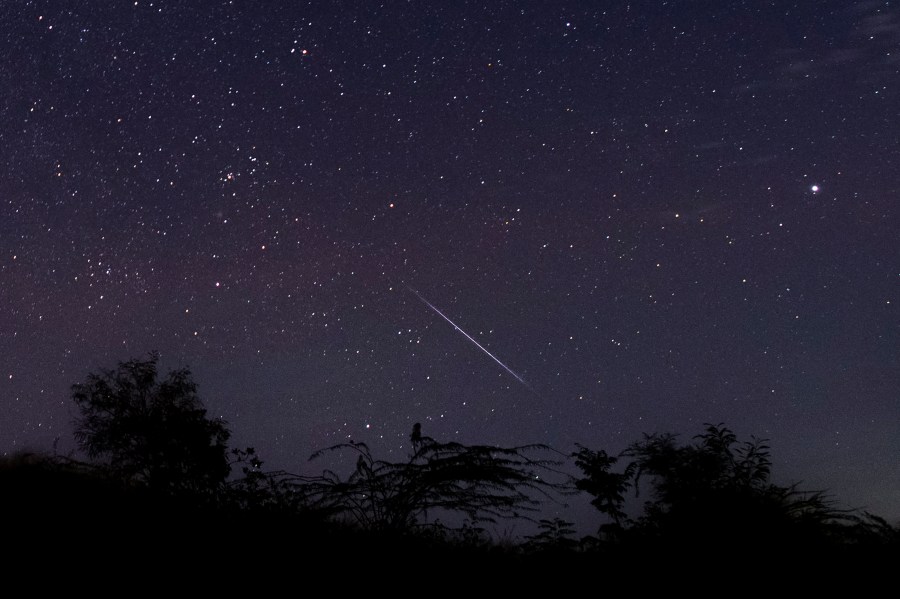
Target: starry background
(658, 214)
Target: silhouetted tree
(480, 482)
(711, 493)
(151, 432)
(556, 535)
(608, 488)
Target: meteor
(469, 337)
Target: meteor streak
(469, 337)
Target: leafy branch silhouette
(484, 483)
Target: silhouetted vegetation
(162, 472)
(479, 482)
(716, 495)
(151, 432)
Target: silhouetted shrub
(151, 432)
(714, 497)
(478, 482)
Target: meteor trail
(469, 337)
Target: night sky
(651, 214)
